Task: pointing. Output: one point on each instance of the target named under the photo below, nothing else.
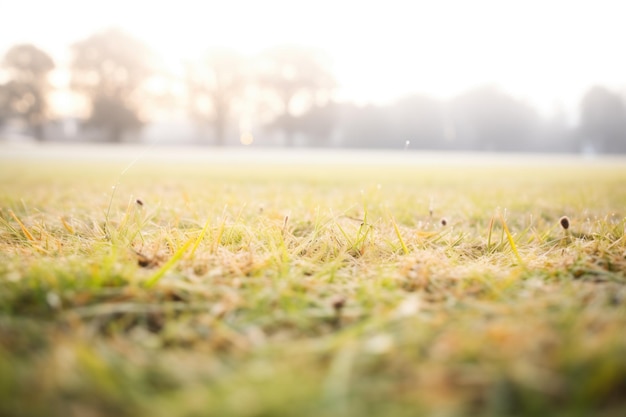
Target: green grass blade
(345, 235)
(199, 239)
(168, 265)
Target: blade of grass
(345, 235)
(220, 232)
(151, 282)
(126, 217)
(28, 235)
(114, 189)
(489, 235)
(397, 230)
(511, 241)
(199, 239)
(67, 226)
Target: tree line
(287, 91)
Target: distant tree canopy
(484, 118)
(25, 94)
(603, 119)
(288, 89)
(110, 67)
(216, 83)
(294, 77)
(368, 126)
(318, 123)
(488, 119)
(419, 119)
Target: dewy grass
(258, 290)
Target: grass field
(189, 289)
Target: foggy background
(482, 75)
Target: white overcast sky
(545, 52)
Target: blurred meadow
(251, 289)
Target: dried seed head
(144, 262)
(444, 221)
(338, 303)
(564, 222)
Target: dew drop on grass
(338, 303)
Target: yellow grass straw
(395, 227)
(511, 241)
(67, 226)
(24, 229)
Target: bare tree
(216, 83)
(294, 75)
(110, 68)
(25, 94)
